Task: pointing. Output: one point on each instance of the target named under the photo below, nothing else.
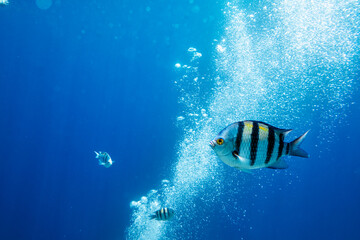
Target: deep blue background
(84, 76)
(87, 75)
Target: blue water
(151, 83)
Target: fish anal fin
(279, 165)
(248, 171)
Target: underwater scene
(193, 119)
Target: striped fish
(253, 144)
(163, 214)
(104, 159)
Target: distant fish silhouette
(104, 159)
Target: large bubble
(44, 4)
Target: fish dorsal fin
(282, 131)
(276, 130)
(279, 165)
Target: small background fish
(104, 159)
(163, 214)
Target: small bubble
(220, 48)
(144, 199)
(197, 55)
(134, 204)
(165, 181)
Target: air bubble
(220, 48)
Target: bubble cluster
(189, 86)
(301, 66)
(287, 63)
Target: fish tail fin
(295, 149)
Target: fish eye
(220, 141)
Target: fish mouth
(212, 144)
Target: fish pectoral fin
(241, 159)
(248, 171)
(279, 165)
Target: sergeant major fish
(163, 214)
(252, 144)
(104, 159)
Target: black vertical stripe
(287, 148)
(239, 136)
(271, 144)
(281, 145)
(157, 214)
(166, 213)
(254, 142)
